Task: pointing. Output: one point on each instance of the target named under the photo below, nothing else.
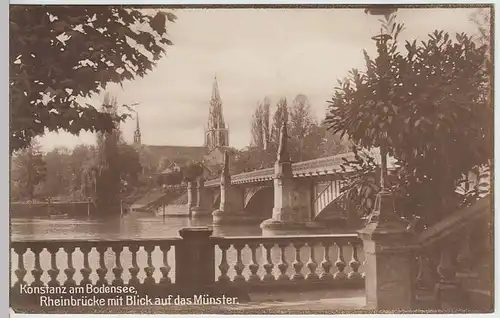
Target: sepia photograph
(251, 159)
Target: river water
(143, 226)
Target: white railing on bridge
(316, 167)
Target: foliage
(107, 169)
(61, 54)
(59, 176)
(130, 165)
(260, 125)
(191, 171)
(28, 169)
(360, 182)
(308, 139)
(482, 18)
(430, 107)
(171, 178)
(280, 115)
(306, 136)
(83, 159)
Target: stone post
(389, 264)
(231, 199)
(194, 261)
(448, 292)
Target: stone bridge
(290, 195)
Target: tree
(429, 107)
(305, 140)
(192, 171)
(60, 55)
(83, 159)
(129, 163)
(266, 117)
(257, 127)
(279, 116)
(28, 169)
(59, 178)
(260, 125)
(107, 170)
(482, 18)
(333, 144)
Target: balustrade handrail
(77, 242)
(288, 238)
(454, 223)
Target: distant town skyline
(254, 53)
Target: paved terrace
(311, 168)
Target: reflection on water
(143, 226)
(130, 226)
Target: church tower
(137, 132)
(216, 133)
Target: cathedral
(216, 142)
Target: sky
(254, 53)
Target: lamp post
(388, 269)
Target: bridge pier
(191, 196)
(202, 206)
(292, 199)
(232, 200)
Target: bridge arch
(259, 201)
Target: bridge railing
(315, 167)
(192, 262)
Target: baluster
(268, 266)
(297, 263)
(102, 270)
(239, 266)
(254, 266)
(340, 264)
(447, 290)
(37, 272)
(70, 271)
(134, 270)
(53, 271)
(165, 269)
(86, 270)
(20, 271)
(465, 257)
(446, 269)
(326, 264)
(118, 269)
(311, 264)
(426, 273)
(224, 266)
(283, 265)
(354, 263)
(149, 270)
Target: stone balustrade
(51, 263)
(260, 262)
(191, 262)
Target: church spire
(137, 132)
(216, 134)
(215, 90)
